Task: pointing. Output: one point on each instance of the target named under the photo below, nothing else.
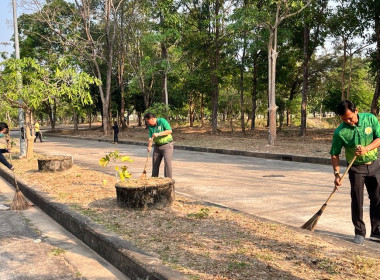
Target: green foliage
(40, 83)
(159, 110)
(202, 214)
(122, 171)
(57, 251)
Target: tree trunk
(375, 100)
(191, 111)
(272, 58)
(344, 69)
(305, 84)
(349, 76)
(254, 90)
(29, 133)
(215, 68)
(121, 69)
(202, 111)
(89, 119)
(164, 56)
(75, 121)
(242, 65)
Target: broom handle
(146, 162)
(341, 179)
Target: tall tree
(89, 29)
(313, 20)
(369, 11)
(345, 25)
(283, 9)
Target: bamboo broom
(312, 222)
(19, 201)
(143, 175)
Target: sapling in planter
(140, 193)
(121, 171)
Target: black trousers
(38, 134)
(368, 175)
(115, 137)
(162, 152)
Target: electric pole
(20, 110)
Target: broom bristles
(143, 175)
(312, 222)
(19, 202)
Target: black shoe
(375, 237)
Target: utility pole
(20, 110)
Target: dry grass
(203, 241)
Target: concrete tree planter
(55, 163)
(145, 193)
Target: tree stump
(145, 193)
(55, 163)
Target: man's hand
(337, 181)
(360, 150)
(155, 135)
(9, 150)
(149, 149)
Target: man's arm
(335, 161)
(163, 133)
(5, 162)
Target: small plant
(58, 251)
(203, 213)
(121, 171)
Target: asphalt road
(286, 192)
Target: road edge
(122, 254)
(283, 157)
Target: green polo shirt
(349, 136)
(160, 126)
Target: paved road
(33, 246)
(286, 192)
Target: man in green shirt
(359, 134)
(160, 133)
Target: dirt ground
(206, 242)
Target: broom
(312, 223)
(19, 201)
(143, 175)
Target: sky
(6, 25)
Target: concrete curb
(126, 257)
(284, 157)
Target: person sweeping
(3, 132)
(160, 133)
(359, 134)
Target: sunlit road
(287, 192)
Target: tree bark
(215, 67)
(254, 90)
(242, 86)
(375, 100)
(272, 58)
(305, 83)
(164, 56)
(344, 69)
